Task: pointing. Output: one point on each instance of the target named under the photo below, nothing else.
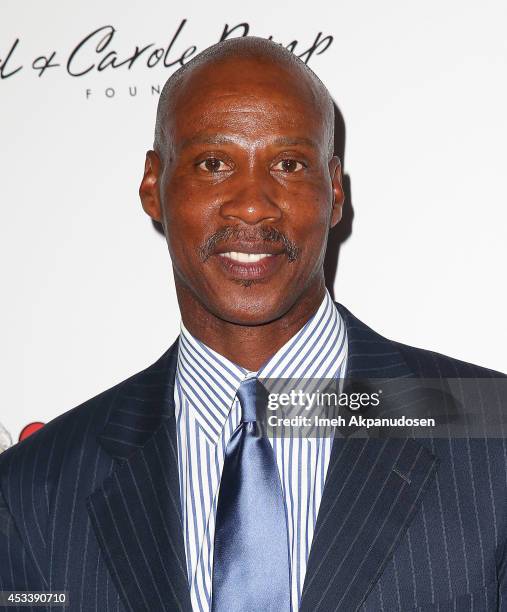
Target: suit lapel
(373, 489)
(136, 512)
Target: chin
(251, 308)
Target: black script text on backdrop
(95, 52)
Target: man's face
(245, 190)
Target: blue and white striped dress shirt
(208, 412)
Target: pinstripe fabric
(208, 412)
(91, 504)
(452, 556)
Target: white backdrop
(88, 296)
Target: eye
(213, 164)
(288, 166)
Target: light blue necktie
(251, 554)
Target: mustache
(261, 234)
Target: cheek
(309, 217)
(310, 229)
(189, 215)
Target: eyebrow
(281, 141)
(290, 141)
(209, 140)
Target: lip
(254, 248)
(257, 270)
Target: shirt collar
(209, 381)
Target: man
(160, 494)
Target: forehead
(247, 97)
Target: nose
(252, 201)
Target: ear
(335, 171)
(148, 190)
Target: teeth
(245, 257)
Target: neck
(249, 346)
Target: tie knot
(249, 393)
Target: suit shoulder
(427, 363)
(72, 430)
(77, 424)
(423, 363)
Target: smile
(242, 266)
(245, 257)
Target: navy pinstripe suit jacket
(90, 504)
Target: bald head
(243, 164)
(241, 52)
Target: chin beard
(245, 283)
